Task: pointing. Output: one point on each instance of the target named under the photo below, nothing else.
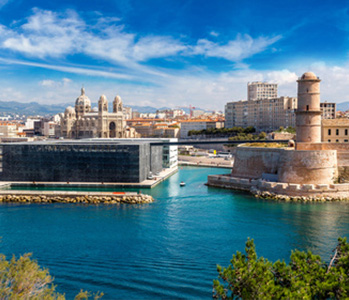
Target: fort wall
(252, 162)
(316, 192)
(308, 166)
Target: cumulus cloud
(53, 34)
(49, 38)
(46, 34)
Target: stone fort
(310, 167)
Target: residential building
(335, 130)
(268, 114)
(8, 129)
(261, 90)
(264, 115)
(328, 110)
(189, 125)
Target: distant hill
(32, 108)
(344, 106)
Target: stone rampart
(280, 190)
(301, 166)
(252, 162)
(308, 166)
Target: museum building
(80, 161)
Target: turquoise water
(167, 249)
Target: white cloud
(214, 33)
(48, 34)
(54, 83)
(69, 69)
(155, 47)
(3, 3)
(235, 50)
(47, 82)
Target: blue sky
(170, 53)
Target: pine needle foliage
(23, 278)
(306, 276)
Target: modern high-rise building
(261, 90)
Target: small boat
(182, 183)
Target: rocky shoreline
(86, 199)
(278, 197)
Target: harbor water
(169, 248)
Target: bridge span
(216, 141)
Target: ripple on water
(167, 249)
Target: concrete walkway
(144, 184)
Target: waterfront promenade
(204, 161)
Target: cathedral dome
(83, 99)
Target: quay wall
(323, 192)
(252, 162)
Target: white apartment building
(189, 125)
(261, 90)
(264, 115)
(328, 110)
(268, 114)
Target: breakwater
(71, 197)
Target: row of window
(337, 131)
(337, 141)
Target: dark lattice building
(80, 161)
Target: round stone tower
(308, 114)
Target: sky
(170, 53)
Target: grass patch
(266, 145)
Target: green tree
(262, 136)
(305, 277)
(23, 278)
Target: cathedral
(82, 122)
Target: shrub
(305, 277)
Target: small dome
(309, 75)
(70, 110)
(95, 109)
(117, 99)
(83, 99)
(103, 98)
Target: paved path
(205, 161)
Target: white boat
(182, 183)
